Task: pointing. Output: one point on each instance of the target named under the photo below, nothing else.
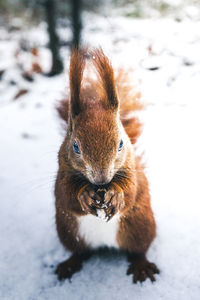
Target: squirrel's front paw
(113, 200)
(88, 199)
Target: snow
(30, 136)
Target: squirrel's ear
(77, 64)
(106, 74)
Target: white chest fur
(96, 232)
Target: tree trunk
(57, 65)
(76, 22)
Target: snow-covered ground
(30, 135)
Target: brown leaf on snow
(36, 68)
(35, 52)
(21, 93)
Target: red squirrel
(102, 193)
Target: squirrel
(102, 194)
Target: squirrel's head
(96, 143)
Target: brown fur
(93, 121)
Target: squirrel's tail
(129, 96)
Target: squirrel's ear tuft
(106, 74)
(77, 64)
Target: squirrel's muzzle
(102, 177)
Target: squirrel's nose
(102, 182)
(101, 179)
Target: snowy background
(165, 56)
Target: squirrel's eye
(121, 145)
(76, 148)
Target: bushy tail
(130, 102)
(128, 95)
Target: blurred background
(44, 30)
(159, 42)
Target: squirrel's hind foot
(141, 268)
(66, 269)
